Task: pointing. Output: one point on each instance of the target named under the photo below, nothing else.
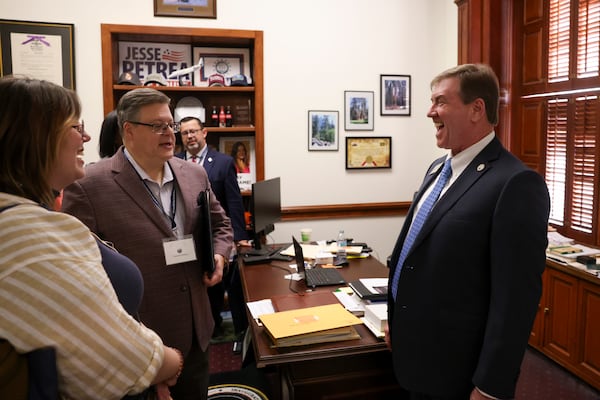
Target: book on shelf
(303, 326)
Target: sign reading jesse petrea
(151, 58)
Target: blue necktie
(419, 220)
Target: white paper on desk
(260, 307)
(351, 302)
(556, 239)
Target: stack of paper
(376, 318)
(329, 323)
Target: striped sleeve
(54, 292)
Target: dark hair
(35, 117)
(235, 147)
(110, 136)
(130, 104)
(187, 119)
(476, 81)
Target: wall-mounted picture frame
(359, 113)
(323, 130)
(40, 50)
(395, 95)
(368, 152)
(242, 150)
(185, 8)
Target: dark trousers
(216, 294)
(193, 382)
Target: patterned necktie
(195, 159)
(419, 220)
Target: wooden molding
(361, 210)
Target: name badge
(178, 251)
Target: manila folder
(308, 321)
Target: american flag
(169, 55)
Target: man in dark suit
(144, 201)
(464, 294)
(223, 179)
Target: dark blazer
(223, 179)
(470, 286)
(114, 203)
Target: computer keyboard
(266, 254)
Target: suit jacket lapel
(208, 162)
(482, 163)
(190, 198)
(129, 181)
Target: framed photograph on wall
(323, 131)
(241, 149)
(358, 110)
(185, 8)
(40, 50)
(395, 95)
(368, 152)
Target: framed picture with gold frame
(185, 8)
(368, 152)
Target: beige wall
(314, 50)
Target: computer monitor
(265, 208)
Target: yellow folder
(302, 326)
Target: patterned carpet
(230, 378)
(222, 358)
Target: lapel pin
(480, 167)
(435, 169)
(209, 159)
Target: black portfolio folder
(204, 235)
(365, 294)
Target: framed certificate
(39, 50)
(368, 152)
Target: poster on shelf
(145, 58)
(241, 148)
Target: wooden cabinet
(251, 96)
(567, 327)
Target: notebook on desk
(316, 276)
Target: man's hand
(216, 276)
(388, 341)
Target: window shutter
(559, 40)
(556, 157)
(584, 163)
(588, 38)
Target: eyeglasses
(79, 128)
(190, 132)
(159, 128)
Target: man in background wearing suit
(465, 279)
(223, 179)
(145, 203)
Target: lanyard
(157, 203)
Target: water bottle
(341, 244)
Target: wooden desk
(354, 369)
